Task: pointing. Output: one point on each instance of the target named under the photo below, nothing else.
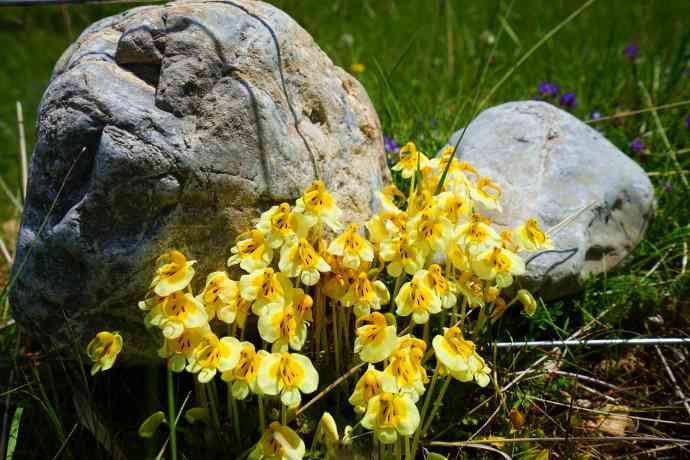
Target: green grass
(425, 64)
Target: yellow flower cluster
(311, 284)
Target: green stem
(262, 416)
(232, 409)
(425, 408)
(336, 339)
(213, 402)
(437, 405)
(397, 453)
(407, 447)
(396, 288)
(283, 414)
(172, 416)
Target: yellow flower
(278, 225)
(531, 237)
(472, 288)
(243, 375)
(459, 357)
(402, 255)
(283, 327)
(487, 193)
(499, 264)
(507, 240)
(173, 274)
(252, 251)
(318, 206)
(364, 295)
(264, 287)
(177, 312)
(457, 256)
(409, 163)
(327, 429)
(287, 374)
(179, 349)
(405, 367)
(219, 291)
(387, 198)
(103, 349)
(375, 340)
(372, 383)
(476, 235)
(441, 286)
(453, 206)
(528, 302)
(440, 161)
(390, 415)
(212, 355)
(352, 247)
(357, 68)
(416, 298)
(299, 259)
(279, 442)
(429, 230)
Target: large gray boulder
(175, 126)
(552, 166)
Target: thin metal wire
(594, 342)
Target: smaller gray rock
(551, 166)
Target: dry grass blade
(603, 412)
(328, 389)
(22, 148)
(5, 252)
(638, 112)
(664, 137)
(612, 439)
(671, 376)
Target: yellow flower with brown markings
(264, 287)
(390, 415)
(287, 374)
(352, 247)
(498, 264)
(416, 298)
(279, 442)
(363, 295)
(214, 355)
(375, 340)
(103, 349)
(174, 273)
(177, 312)
(301, 260)
(531, 237)
(252, 252)
(179, 349)
(317, 206)
(409, 163)
(372, 383)
(243, 375)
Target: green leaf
(435, 456)
(197, 414)
(14, 432)
(150, 425)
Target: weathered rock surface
(552, 166)
(174, 126)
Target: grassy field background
(426, 64)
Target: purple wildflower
(390, 144)
(687, 122)
(637, 145)
(668, 187)
(595, 115)
(632, 51)
(547, 89)
(568, 100)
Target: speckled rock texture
(552, 166)
(175, 126)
